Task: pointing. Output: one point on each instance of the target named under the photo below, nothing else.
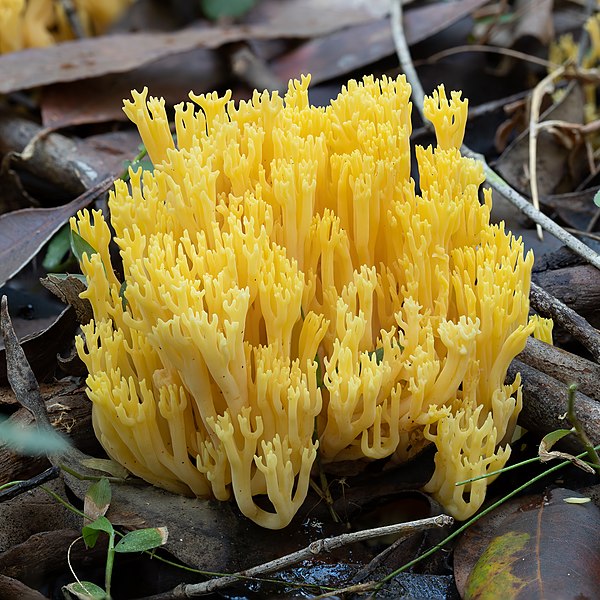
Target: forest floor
(533, 121)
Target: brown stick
(563, 366)
(577, 286)
(545, 402)
(575, 324)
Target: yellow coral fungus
(287, 290)
(543, 329)
(565, 52)
(40, 23)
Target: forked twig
(534, 117)
(313, 549)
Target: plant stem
(66, 504)
(499, 471)
(11, 483)
(581, 434)
(477, 517)
(81, 477)
(110, 559)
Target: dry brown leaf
(93, 57)
(333, 55)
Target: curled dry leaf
(67, 288)
(93, 57)
(545, 454)
(335, 54)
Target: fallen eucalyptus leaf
(537, 546)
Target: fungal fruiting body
(287, 290)
(40, 23)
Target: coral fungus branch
(273, 240)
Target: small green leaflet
(84, 590)
(122, 295)
(79, 246)
(378, 353)
(140, 161)
(97, 500)
(65, 276)
(215, 9)
(319, 374)
(141, 540)
(58, 250)
(106, 466)
(597, 198)
(92, 531)
(554, 436)
(545, 454)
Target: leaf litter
(202, 533)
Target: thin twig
(29, 484)
(73, 18)
(501, 186)
(357, 588)
(252, 70)
(488, 49)
(534, 117)
(406, 61)
(579, 129)
(589, 234)
(488, 107)
(313, 549)
(493, 179)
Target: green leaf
(84, 590)
(58, 250)
(92, 531)
(142, 540)
(106, 466)
(554, 436)
(79, 246)
(597, 198)
(319, 374)
(97, 499)
(145, 165)
(30, 440)
(122, 295)
(378, 352)
(215, 9)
